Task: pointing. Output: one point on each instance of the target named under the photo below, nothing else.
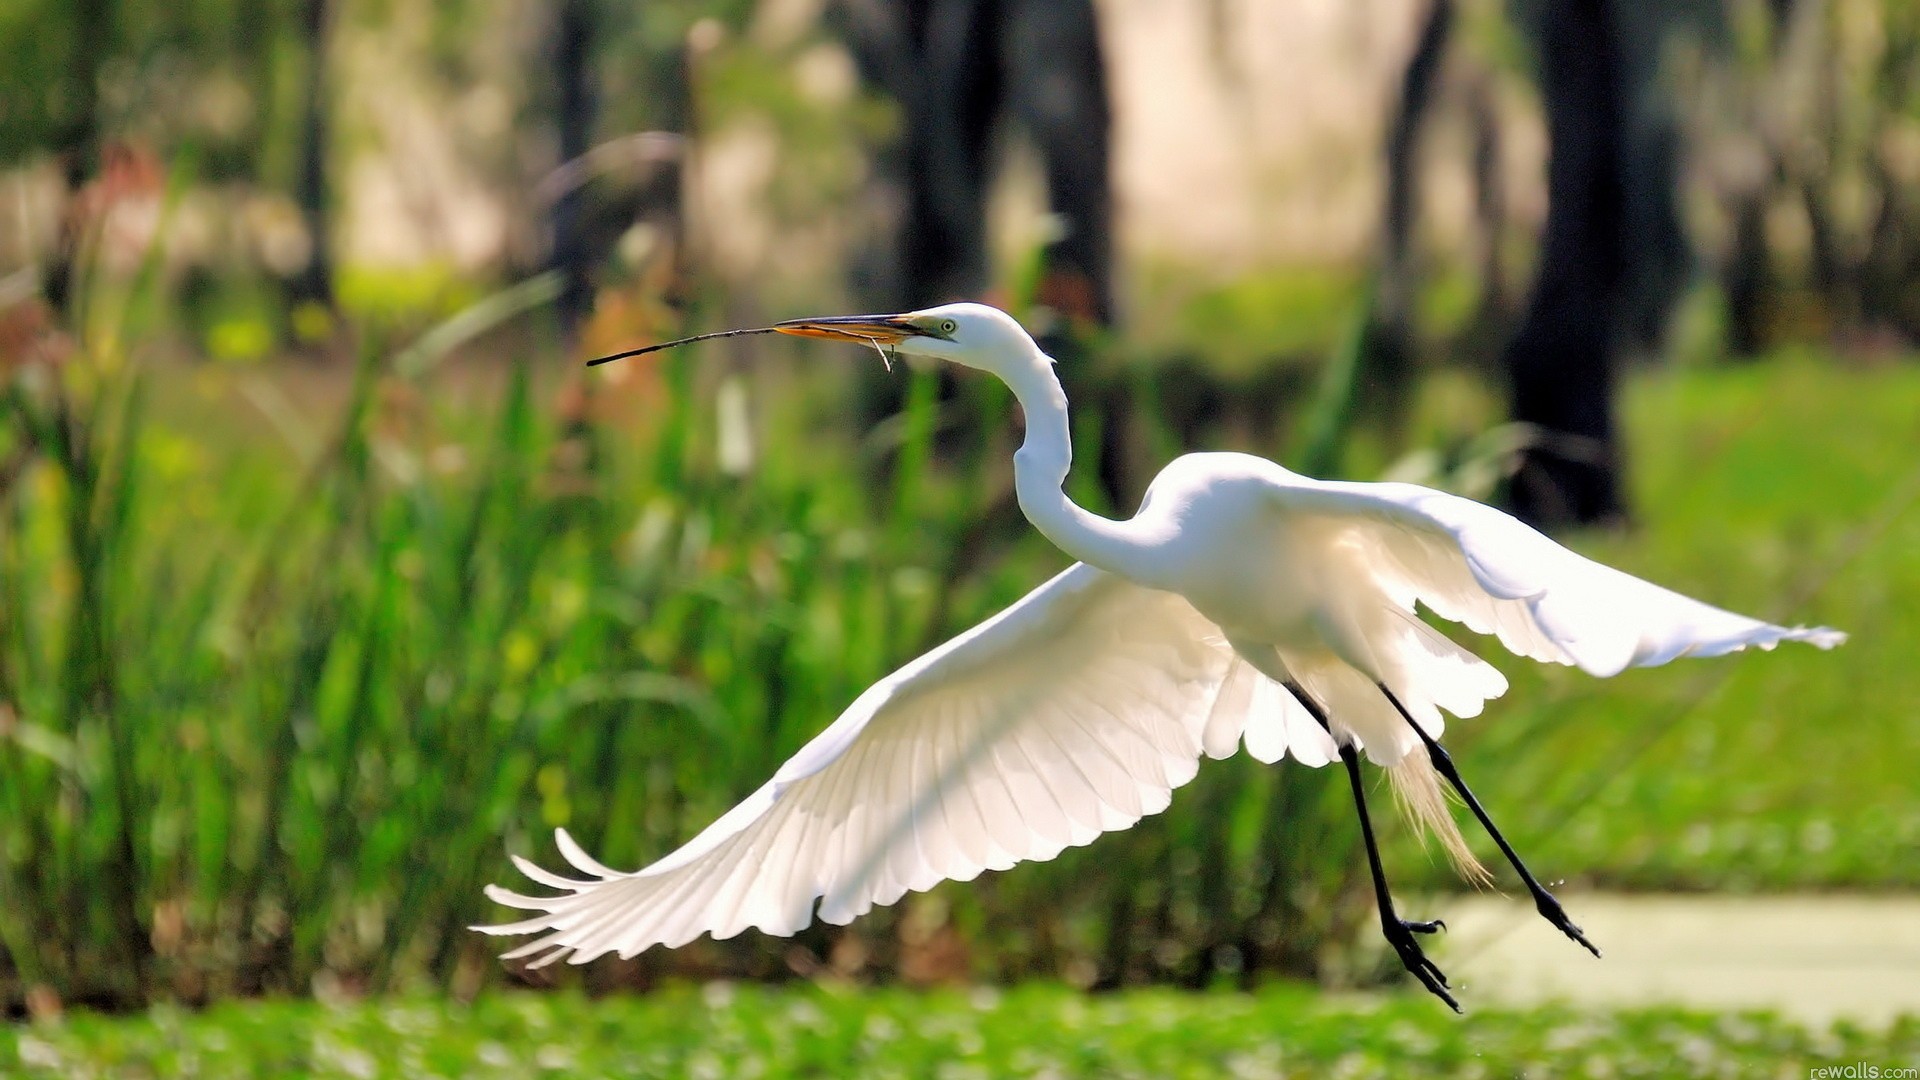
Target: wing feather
(933, 833)
(964, 815)
(1096, 812)
(1074, 712)
(1307, 741)
(571, 851)
(1494, 574)
(1122, 789)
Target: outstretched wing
(1477, 566)
(1074, 712)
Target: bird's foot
(1399, 934)
(1551, 911)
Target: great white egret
(1243, 603)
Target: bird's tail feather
(1417, 791)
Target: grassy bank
(751, 1031)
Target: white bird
(1243, 603)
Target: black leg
(1398, 932)
(1549, 907)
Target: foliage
(208, 74)
(723, 1030)
(1813, 120)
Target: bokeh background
(328, 576)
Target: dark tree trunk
(314, 283)
(950, 120)
(1489, 207)
(1892, 261)
(1387, 363)
(1371, 372)
(79, 142)
(1403, 134)
(1057, 90)
(1746, 277)
(569, 252)
(885, 38)
(1561, 360)
(958, 67)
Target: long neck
(1040, 467)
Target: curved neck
(1040, 467)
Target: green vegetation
(811, 1031)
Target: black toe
(1551, 910)
(1399, 934)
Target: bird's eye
(948, 326)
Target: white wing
(1474, 565)
(1074, 712)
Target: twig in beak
(681, 341)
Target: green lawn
(726, 1031)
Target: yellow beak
(865, 329)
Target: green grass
(809, 1031)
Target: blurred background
(328, 576)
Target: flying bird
(1243, 604)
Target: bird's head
(973, 335)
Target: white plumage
(1080, 708)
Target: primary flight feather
(1243, 604)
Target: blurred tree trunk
(1745, 277)
(1489, 211)
(1889, 271)
(1057, 90)
(314, 283)
(1747, 274)
(1371, 372)
(884, 37)
(1386, 363)
(79, 142)
(251, 48)
(959, 69)
(568, 253)
(950, 122)
(1560, 362)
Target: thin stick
(682, 341)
